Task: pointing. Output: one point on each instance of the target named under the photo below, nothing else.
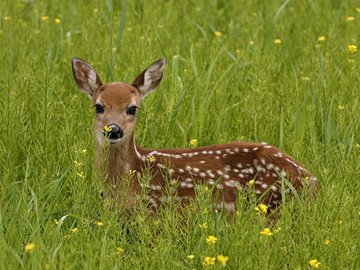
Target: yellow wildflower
(29, 247)
(203, 226)
(74, 230)
(56, 221)
(6, 18)
(352, 48)
(314, 263)
(193, 142)
(211, 240)
(190, 257)
(218, 34)
(120, 250)
(327, 242)
(222, 259)
(251, 182)
(251, 42)
(107, 129)
(321, 38)
(305, 78)
(44, 18)
(350, 18)
(84, 151)
(341, 107)
(57, 21)
(277, 41)
(207, 261)
(266, 232)
(80, 174)
(99, 223)
(262, 208)
(77, 163)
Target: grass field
(284, 72)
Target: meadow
(285, 72)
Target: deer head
(116, 103)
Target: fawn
(226, 168)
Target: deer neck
(116, 161)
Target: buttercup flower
(99, 223)
(190, 257)
(218, 34)
(29, 247)
(266, 232)
(107, 129)
(57, 21)
(193, 142)
(222, 259)
(262, 208)
(277, 41)
(120, 250)
(321, 38)
(207, 261)
(314, 263)
(352, 48)
(151, 159)
(211, 240)
(350, 18)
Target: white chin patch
(114, 141)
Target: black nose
(113, 132)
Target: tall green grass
(301, 95)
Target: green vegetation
(274, 71)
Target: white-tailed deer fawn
(227, 168)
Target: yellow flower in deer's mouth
(107, 129)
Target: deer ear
(150, 78)
(85, 76)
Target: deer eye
(99, 108)
(131, 110)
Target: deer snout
(113, 132)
